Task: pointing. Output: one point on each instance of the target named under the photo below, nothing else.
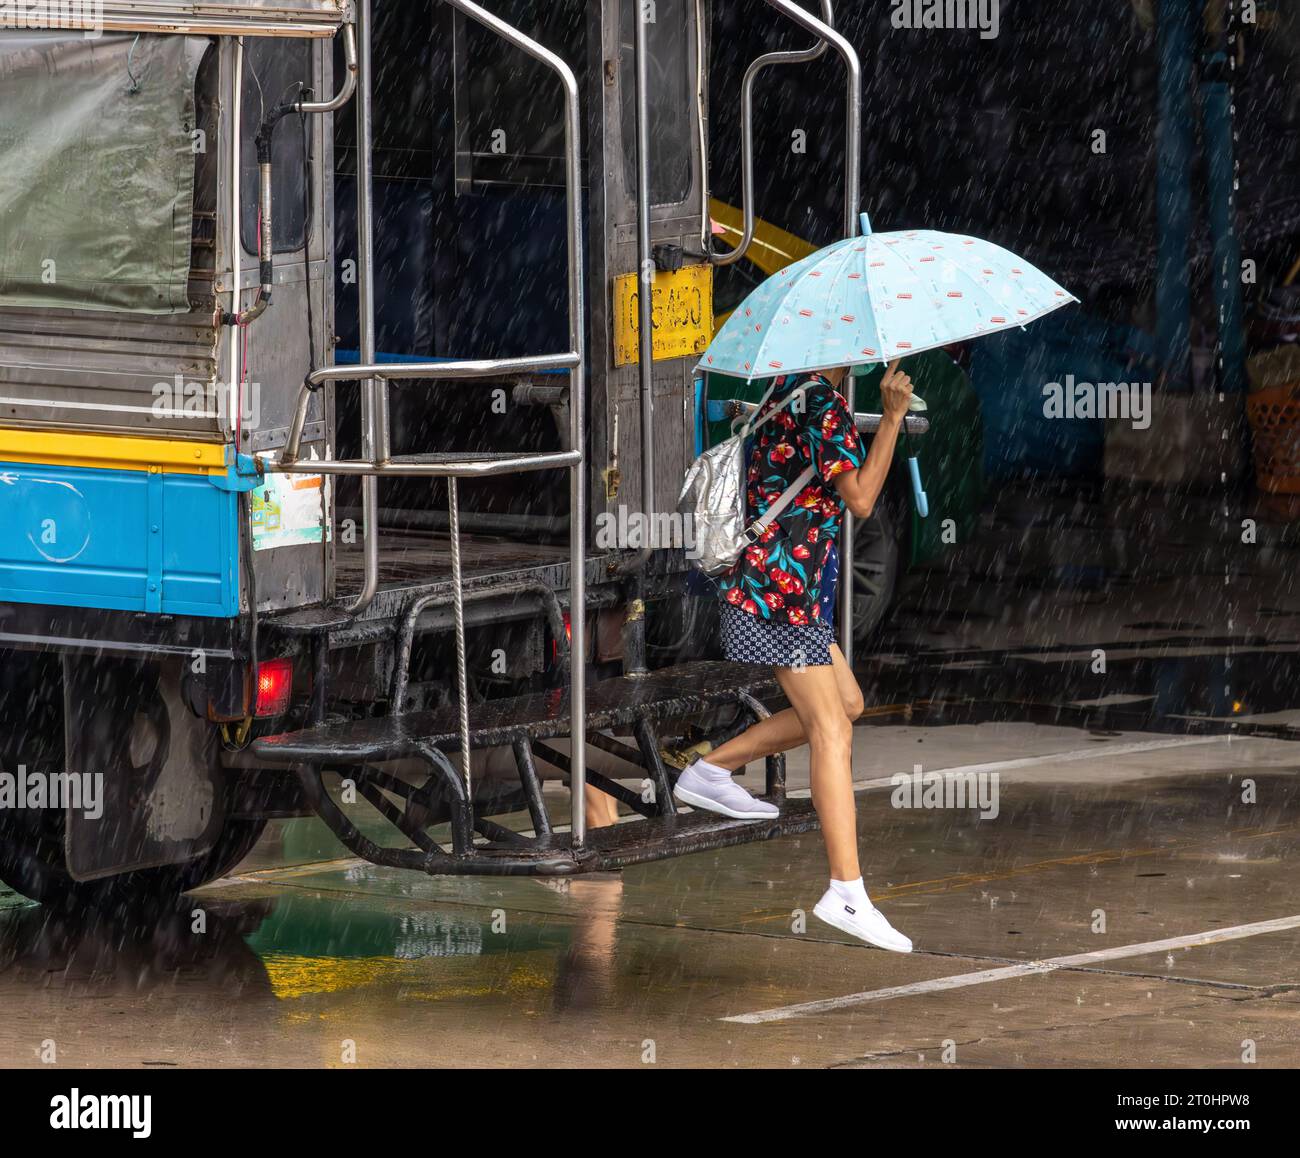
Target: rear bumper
(50, 628)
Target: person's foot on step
(704, 785)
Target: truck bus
(348, 377)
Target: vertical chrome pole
(852, 205)
(645, 262)
(852, 201)
(236, 238)
(578, 472)
(702, 124)
(374, 438)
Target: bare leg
(783, 730)
(815, 697)
(602, 808)
(780, 732)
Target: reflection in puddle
(307, 944)
(189, 945)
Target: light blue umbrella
(878, 297)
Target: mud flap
(144, 787)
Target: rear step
(525, 723)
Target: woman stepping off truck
(774, 612)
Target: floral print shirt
(779, 577)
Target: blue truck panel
(124, 540)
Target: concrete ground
(1131, 903)
(711, 960)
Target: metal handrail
(378, 461)
(644, 261)
(349, 88)
(390, 371)
(434, 466)
(866, 421)
(374, 419)
(444, 368)
(547, 598)
(800, 56)
(577, 401)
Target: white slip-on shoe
(864, 921)
(725, 797)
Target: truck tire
(32, 864)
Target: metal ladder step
(353, 749)
(667, 692)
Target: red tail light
(568, 634)
(274, 687)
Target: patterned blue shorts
(748, 639)
(830, 584)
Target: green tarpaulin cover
(97, 160)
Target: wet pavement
(705, 960)
(1134, 902)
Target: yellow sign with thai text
(682, 313)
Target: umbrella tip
(866, 224)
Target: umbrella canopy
(878, 297)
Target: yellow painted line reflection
(294, 976)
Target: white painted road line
(1095, 752)
(985, 976)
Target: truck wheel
(877, 551)
(32, 863)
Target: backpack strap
(743, 427)
(747, 428)
(756, 529)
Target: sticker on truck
(287, 511)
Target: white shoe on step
(724, 797)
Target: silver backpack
(713, 497)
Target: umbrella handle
(922, 501)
